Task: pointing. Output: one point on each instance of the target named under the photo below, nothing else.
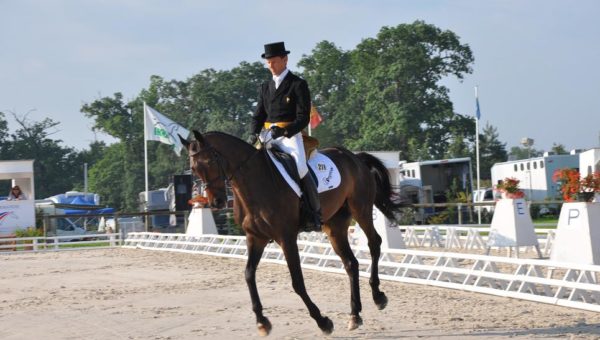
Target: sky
(536, 62)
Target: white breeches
(292, 146)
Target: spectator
(16, 194)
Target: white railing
(463, 237)
(58, 243)
(563, 284)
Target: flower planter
(201, 222)
(512, 226)
(511, 195)
(585, 196)
(577, 237)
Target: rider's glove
(252, 139)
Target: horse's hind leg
(337, 230)
(290, 250)
(365, 220)
(255, 250)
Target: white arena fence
(419, 236)
(59, 243)
(556, 283)
(466, 237)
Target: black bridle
(216, 156)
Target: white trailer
(437, 176)
(535, 174)
(589, 161)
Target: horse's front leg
(290, 250)
(255, 250)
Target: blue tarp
(93, 211)
(83, 201)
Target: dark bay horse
(268, 209)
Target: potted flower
(509, 187)
(573, 187)
(198, 201)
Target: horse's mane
(226, 135)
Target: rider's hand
(277, 132)
(252, 139)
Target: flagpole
(477, 151)
(145, 165)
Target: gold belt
(280, 124)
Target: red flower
(510, 186)
(571, 183)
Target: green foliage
(107, 180)
(517, 153)
(29, 232)
(385, 94)
(407, 216)
(559, 149)
(57, 169)
(210, 100)
(491, 151)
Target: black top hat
(274, 50)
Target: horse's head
(209, 165)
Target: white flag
(160, 128)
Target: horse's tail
(385, 199)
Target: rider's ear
(198, 137)
(184, 141)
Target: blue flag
(477, 113)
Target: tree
(210, 100)
(491, 151)
(4, 186)
(124, 122)
(385, 93)
(57, 169)
(327, 70)
(108, 181)
(517, 153)
(559, 149)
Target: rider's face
(276, 64)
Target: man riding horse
(284, 110)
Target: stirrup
(311, 224)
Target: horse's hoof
(354, 322)
(381, 301)
(264, 328)
(326, 326)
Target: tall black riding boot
(311, 199)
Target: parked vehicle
(484, 195)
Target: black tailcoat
(290, 102)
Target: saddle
(321, 168)
(290, 165)
(310, 144)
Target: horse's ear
(198, 137)
(184, 141)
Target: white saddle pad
(328, 175)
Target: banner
(315, 117)
(160, 128)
